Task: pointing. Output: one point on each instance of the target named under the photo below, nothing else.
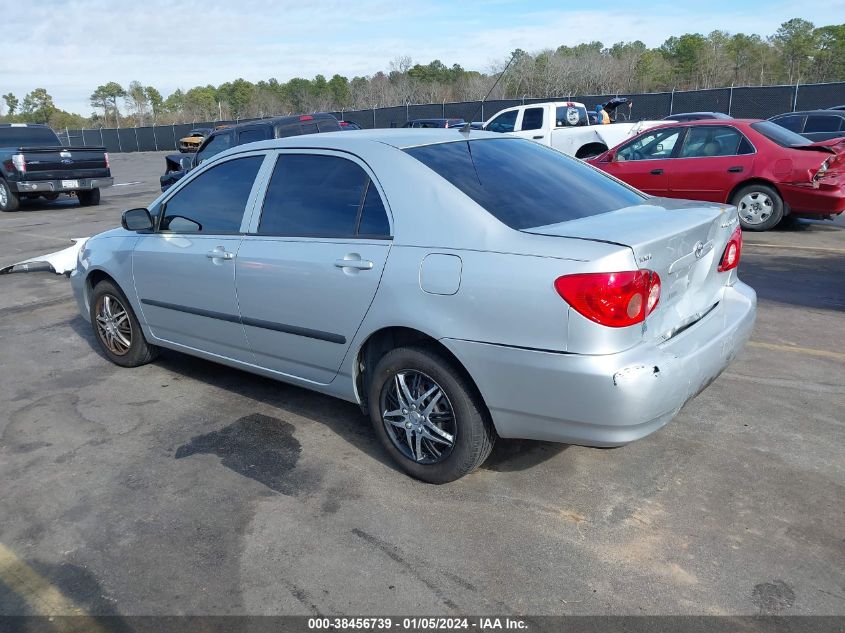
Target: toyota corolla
(458, 286)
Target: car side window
(823, 123)
(706, 141)
(650, 146)
(251, 135)
(213, 202)
(794, 123)
(215, 145)
(532, 119)
(505, 122)
(314, 195)
(373, 221)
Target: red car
(763, 169)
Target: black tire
(138, 352)
(50, 196)
(473, 432)
(88, 197)
(771, 207)
(9, 200)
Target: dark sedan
(428, 123)
(816, 125)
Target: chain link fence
(757, 102)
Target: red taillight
(108, 166)
(306, 117)
(612, 299)
(730, 258)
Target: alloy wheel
(418, 417)
(113, 325)
(755, 207)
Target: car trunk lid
(53, 163)
(681, 241)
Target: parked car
(427, 123)
(349, 125)
(176, 165)
(762, 168)
(564, 125)
(33, 164)
(816, 125)
(358, 265)
(697, 116)
(193, 139)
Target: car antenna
(468, 125)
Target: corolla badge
(67, 161)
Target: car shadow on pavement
(343, 418)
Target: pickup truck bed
(48, 169)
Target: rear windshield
(779, 134)
(571, 116)
(28, 137)
(525, 184)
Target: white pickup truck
(564, 125)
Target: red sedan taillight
(613, 299)
(730, 258)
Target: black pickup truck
(277, 127)
(33, 164)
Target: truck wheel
(590, 150)
(760, 207)
(428, 416)
(9, 200)
(88, 197)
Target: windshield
(28, 137)
(779, 135)
(525, 184)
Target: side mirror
(137, 220)
(186, 162)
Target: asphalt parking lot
(184, 487)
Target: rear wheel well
(759, 181)
(387, 339)
(591, 149)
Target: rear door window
(794, 123)
(525, 184)
(532, 119)
(705, 141)
(250, 135)
(315, 195)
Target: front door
(185, 271)
(644, 161)
(310, 267)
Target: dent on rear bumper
(607, 400)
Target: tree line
(798, 52)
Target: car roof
(400, 138)
(820, 111)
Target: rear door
(185, 272)
(644, 161)
(712, 161)
(309, 268)
(533, 124)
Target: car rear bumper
(58, 186)
(607, 400)
(828, 199)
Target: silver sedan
(458, 286)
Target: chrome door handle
(358, 264)
(221, 254)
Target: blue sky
(70, 47)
